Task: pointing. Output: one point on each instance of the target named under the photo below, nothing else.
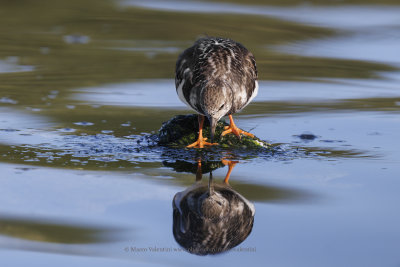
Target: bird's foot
(236, 131)
(200, 143)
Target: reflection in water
(48, 232)
(211, 218)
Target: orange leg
(201, 141)
(234, 129)
(230, 164)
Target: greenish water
(84, 83)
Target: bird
(211, 219)
(216, 77)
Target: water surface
(83, 84)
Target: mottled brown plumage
(211, 219)
(216, 77)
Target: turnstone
(210, 219)
(216, 77)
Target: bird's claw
(200, 143)
(236, 131)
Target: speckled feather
(216, 77)
(207, 222)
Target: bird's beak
(210, 185)
(213, 124)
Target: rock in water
(181, 131)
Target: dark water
(82, 83)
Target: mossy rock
(182, 130)
(192, 167)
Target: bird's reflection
(210, 218)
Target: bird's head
(217, 97)
(216, 102)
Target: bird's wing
(184, 75)
(251, 75)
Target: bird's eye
(221, 107)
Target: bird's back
(216, 76)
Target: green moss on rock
(182, 130)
